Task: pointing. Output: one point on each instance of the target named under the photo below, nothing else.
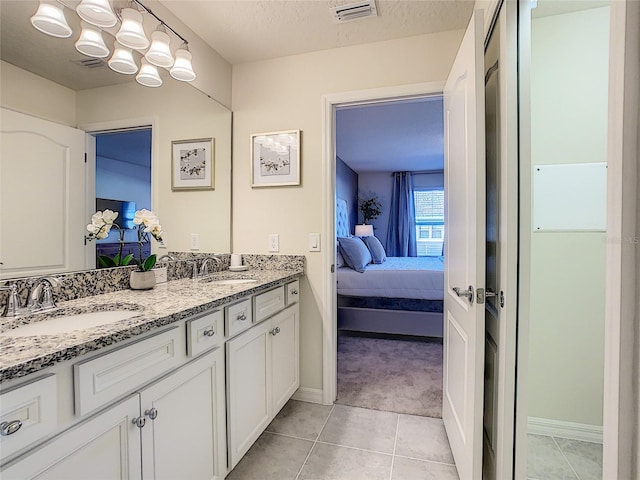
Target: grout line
(354, 448)
(565, 457)
(395, 443)
(425, 460)
(315, 442)
(289, 436)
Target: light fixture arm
(162, 22)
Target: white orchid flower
(145, 217)
(109, 216)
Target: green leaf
(149, 263)
(106, 262)
(126, 260)
(116, 259)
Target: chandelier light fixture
(98, 17)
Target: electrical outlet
(195, 241)
(163, 243)
(274, 242)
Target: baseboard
(306, 394)
(571, 430)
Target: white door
(42, 178)
(184, 414)
(465, 252)
(285, 376)
(106, 446)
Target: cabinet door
(285, 373)
(185, 434)
(106, 446)
(248, 405)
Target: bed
(402, 295)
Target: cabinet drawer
(34, 404)
(204, 332)
(104, 378)
(268, 303)
(293, 292)
(238, 317)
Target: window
(429, 221)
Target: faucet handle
(12, 307)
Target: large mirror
(46, 79)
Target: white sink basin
(233, 281)
(70, 323)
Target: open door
(464, 316)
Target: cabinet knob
(209, 333)
(294, 292)
(275, 331)
(9, 428)
(242, 317)
(152, 413)
(139, 422)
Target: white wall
(180, 113)
(31, 94)
(569, 114)
(286, 93)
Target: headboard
(342, 218)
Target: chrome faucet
(204, 270)
(12, 308)
(41, 297)
(171, 258)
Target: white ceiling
(404, 135)
(251, 30)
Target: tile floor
(309, 441)
(553, 458)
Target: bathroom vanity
(180, 389)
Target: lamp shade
(122, 61)
(148, 75)
(159, 52)
(91, 42)
(182, 69)
(50, 19)
(131, 33)
(97, 12)
(364, 230)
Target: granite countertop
(165, 304)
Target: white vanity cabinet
(262, 374)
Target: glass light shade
(50, 19)
(131, 33)
(91, 42)
(364, 230)
(182, 69)
(159, 52)
(148, 75)
(122, 61)
(97, 12)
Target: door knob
(468, 293)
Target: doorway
(123, 185)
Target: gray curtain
(401, 236)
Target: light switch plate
(314, 242)
(195, 241)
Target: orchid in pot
(146, 222)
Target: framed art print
(192, 164)
(275, 159)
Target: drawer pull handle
(242, 317)
(294, 292)
(9, 428)
(152, 413)
(209, 333)
(275, 331)
(139, 422)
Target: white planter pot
(142, 280)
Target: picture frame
(275, 159)
(193, 164)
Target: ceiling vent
(354, 11)
(90, 63)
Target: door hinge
(333, 268)
(85, 157)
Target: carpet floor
(401, 376)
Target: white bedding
(398, 277)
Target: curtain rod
(421, 172)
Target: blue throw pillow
(375, 247)
(355, 253)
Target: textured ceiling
(405, 135)
(250, 30)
